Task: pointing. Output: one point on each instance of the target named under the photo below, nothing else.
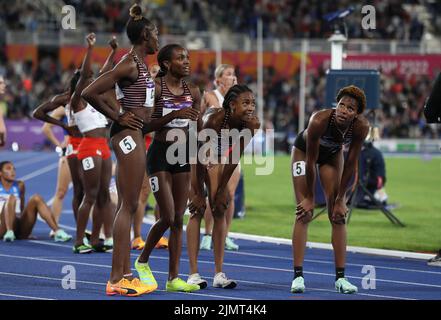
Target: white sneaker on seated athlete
(195, 278)
(221, 281)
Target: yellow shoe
(144, 287)
(138, 244)
(125, 287)
(162, 243)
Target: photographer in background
(372, 172)
(432, 108)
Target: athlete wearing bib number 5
(127, 137)
(321, 143)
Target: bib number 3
(127, 144)
(88, 163)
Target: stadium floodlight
(340, 14)
(337, 18)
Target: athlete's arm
(85, 74)
(126, 71)
(316, 127)
(108, 65)
(2, 130)
(208, 100)
(21, 187)
(41, 112)
(361, 129)
(198, 170)
(47, 127)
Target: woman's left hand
(251, 122)
(221, 201)
(339, 212)
(197, 204)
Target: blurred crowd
(400, 115)
(395, 19)
(402, 96)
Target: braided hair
(232, 94)
(165, 54)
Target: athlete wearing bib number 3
(96, 166)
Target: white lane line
(23, 297)
(331, 262)
(150, 220)
(269, 268)
(208, 295)
(39, 172)
(108, 267)
(32, 160)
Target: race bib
(150, 94)
(88, 163)
(298, 169)
(176, 123)
(154, 184)
(69, 150)
(127, 144)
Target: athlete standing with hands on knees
(127, 137)
(237, 113)
(225, 78)
(322, 143)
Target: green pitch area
(413, 183)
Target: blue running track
(33, 269)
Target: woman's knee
(219, 214)
(36, 198)
(131, 205)
(61, 193)
(167, 220)
(178, 222)
(103, 198)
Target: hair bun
(136, 12)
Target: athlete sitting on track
(12, 202)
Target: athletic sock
(339, 273)
(298, 272)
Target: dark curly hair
(356, 93)
(3, 163)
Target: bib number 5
(127, 144)
(298, 169)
